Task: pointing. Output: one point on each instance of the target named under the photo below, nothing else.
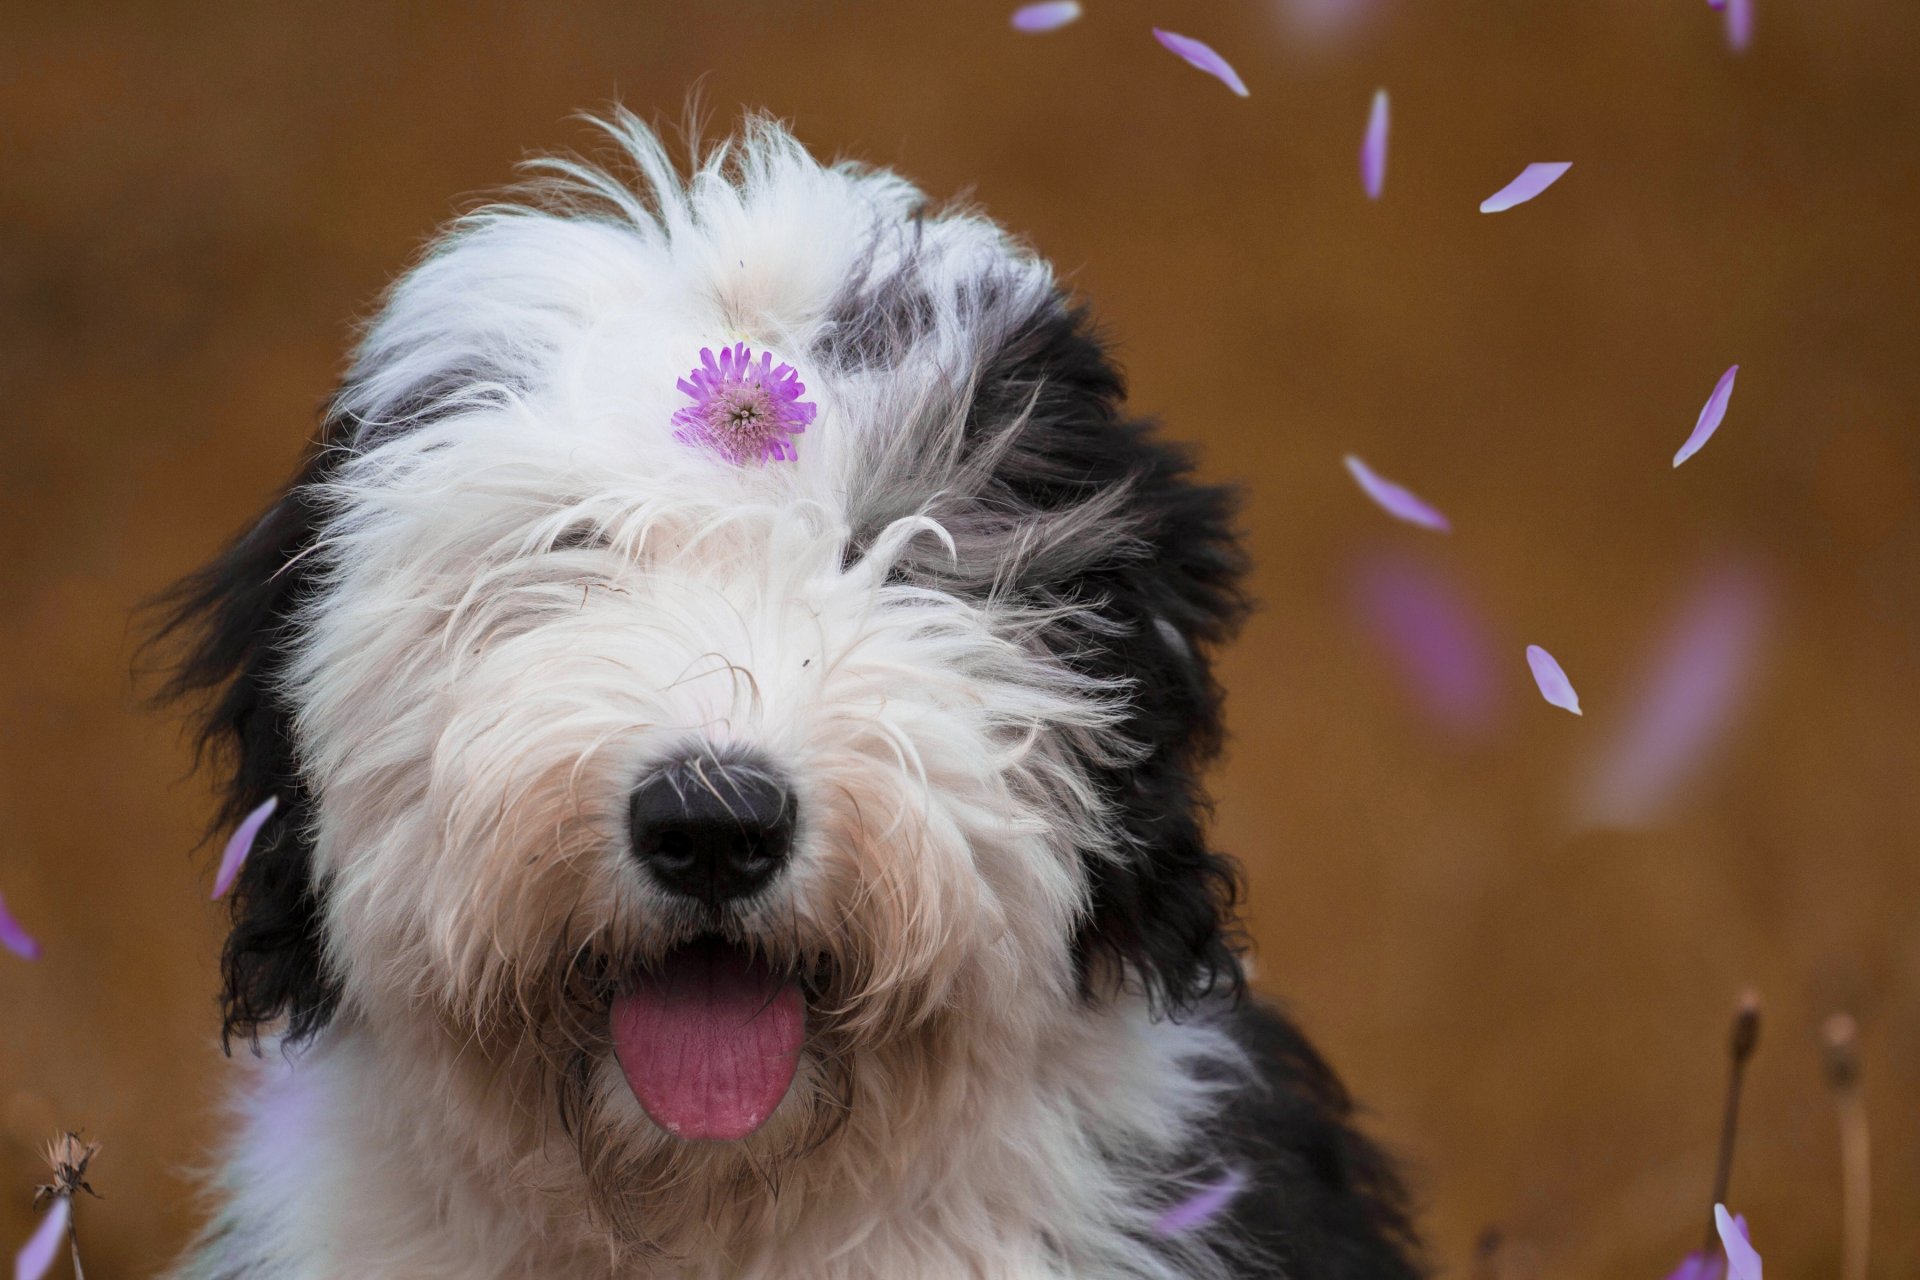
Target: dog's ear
(1168, 591)
(224, 632)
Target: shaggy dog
(735, 681)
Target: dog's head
(695, 736)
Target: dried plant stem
(1744, 1039)
(1856, 1197)
(73, 1248)
(1486, 1254)
(1858, 1204)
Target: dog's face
(709, 792)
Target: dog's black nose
(713, 830)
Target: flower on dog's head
(743, 410)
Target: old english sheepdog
(736, 681)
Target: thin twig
(1744, 1039)
(1856, 1202)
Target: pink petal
(240, 844)
(1202, 1206)
(1325, 19)
(1689, 697)
(1435, 637)
(1739, 24)
(1199, 56)
(14, 938)
(1533, 179)
(1743, 1263)
(1716, 4)
(1710, 415)
(37, 1255)
(1553, 682)
(1373, 152)
(1395, 500)
(1034, 18)
(1698, 1266)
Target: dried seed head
(68, 1157)
(1842, 1038)
(1746, 1027)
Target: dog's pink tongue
(708, 1042)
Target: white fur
(476, 703)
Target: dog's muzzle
(709, 1036)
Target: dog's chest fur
(349, 1164)
(340, 1169)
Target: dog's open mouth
(708, 1040)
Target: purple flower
(742, 410)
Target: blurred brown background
(196, 201)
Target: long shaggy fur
(970, 628)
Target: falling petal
(1692, 689)
(1034, 18)
(1533, 179)
(1199, 56)
(14, 938)
(36, 1256)
(1739, 24)
(1202, 1207)
(1395, 500)
(1689, 1268)
(1698, 1266)
(1373, 151)
(1553, 682)
(1323, 21)
(1422, 621)
(1710, 415)
(240, 844)
(1742, 1262)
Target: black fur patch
(1321, 1201)
(227, 629)
(1170, 592)
(879, 314)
